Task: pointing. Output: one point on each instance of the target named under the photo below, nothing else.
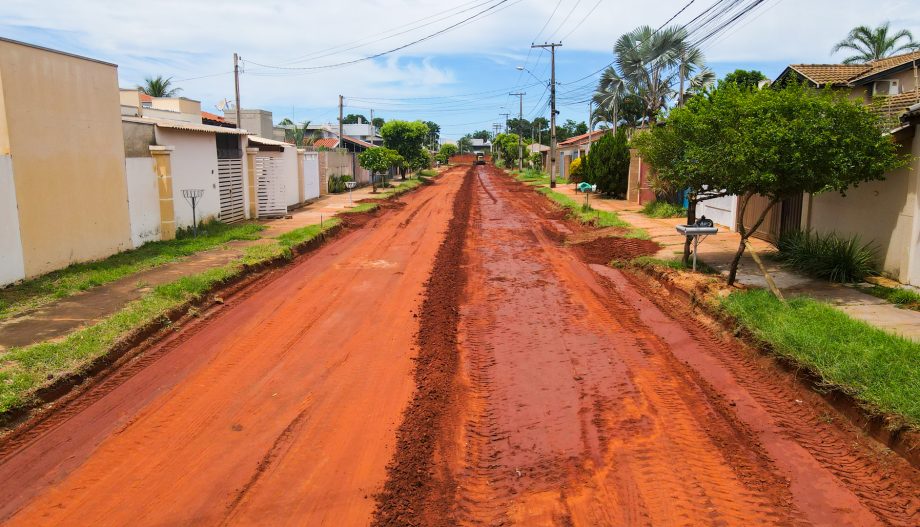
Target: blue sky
(459, 79)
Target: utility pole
(236, 82)
(520, 96)
(683, 65)
(506, 120)
(552, 112)
(341, 124)
(590, 123)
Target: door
(230, 181)
(311, 175)
(785, 217)
(270, 192)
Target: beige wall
(881, 212)
(63, 130)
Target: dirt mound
(604, 250)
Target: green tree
(570, 129)
(748, 79)
(875, 43)
(445, 152)
(607, 165)
(465, 144)
(481, 134)
(378, 122)
(378, 160)
(434, 133)
(354, 118)
(507, 148)
(778, 143)
(296, 134)
(408, 138)
(159, 87)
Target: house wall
(143, 200)
(73, 205)
(290, 175)
(194, 165)
(882, 212)
(722, 210)
(11, 264)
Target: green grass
(902, 297)
(535, 177)
(360, 207)
(663, 209)
(80, 277)
(672, 263)
(401, 188)
(599, 218)
(876, 367)
(25, 370)
(427, 173)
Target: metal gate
(270, 193)
(311, 175)
(784, 217)
(230, 180)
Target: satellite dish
(224, 105)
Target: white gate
(230, 180)
(270, 188)
(310, 175)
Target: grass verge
(901, 297)
(673, 263)
(663, 209)
(361, 207)
(589, 215)
(38, 291)
(25, 370)
(401, 188)
(873, 366)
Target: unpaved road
(547, 390)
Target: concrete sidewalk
(718, 250)
(59, 318)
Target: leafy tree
(445, 152)
(159, 87)
(507, 148)
(465, 144)
(434, 133)
(570, 129)
(407, 138)
(577, 170)
(875, 43)
(522, 127)
(607, 165)
(296, 133)
(354, 118)
(379, 159)
(378, 122)
(748, 79)
(778, 143)
(485, 135)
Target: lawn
(902, 297)
(25, 370)
(663, 209)
(874, 366)
(588, 215)
(82, 276)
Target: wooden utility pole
(552, 112)
(590, 124)
(341, 124)
(520, 96)
(236, 82)
(683, 73)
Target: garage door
(270, 194)
(230, 180)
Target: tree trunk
(733, 270)
(746, 233)
(691, 219)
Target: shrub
(828, 256)
(663, 209)
(576, 171)
(608, 164)
(337, 183)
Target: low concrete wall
(194, 166)
(143, 200)
(723, 210)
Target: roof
(180, 125)
(850, 74)
(212, 117)
(583, 138)
(265, 142)
(359, 142)
(537, 147)
(144, 97)
(59, 52)
(912, 111)
(326, 142)
(891, 107)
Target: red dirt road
(282, 410)
(580, 401)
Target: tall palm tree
(649, 65)
(875, 43)
(159, 87)
(297, 134)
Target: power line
(582, 21)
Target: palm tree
(297, 134)
(874, 44)
(649, 65)
(159, 87)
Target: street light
(522, 68)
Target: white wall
(290, 176)
(721, 210)
(143, 200)
(194, 165)
(311, 175)
(12, 267)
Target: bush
(337, 183)
(608, 164)
(827, 256)
(663, 209)
(576, 171)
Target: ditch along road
(456, 362)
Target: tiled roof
(145, 97)
(359, 142)
(583, 138)
(326, 142)
(891, 108)
(843, 74)
(211, 116)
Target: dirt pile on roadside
(408, 496)
(604, 250)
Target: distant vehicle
(480, 158)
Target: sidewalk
(718, 250)
(59, 318)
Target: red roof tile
(583, 138)
(326, 142)
(211, 116)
